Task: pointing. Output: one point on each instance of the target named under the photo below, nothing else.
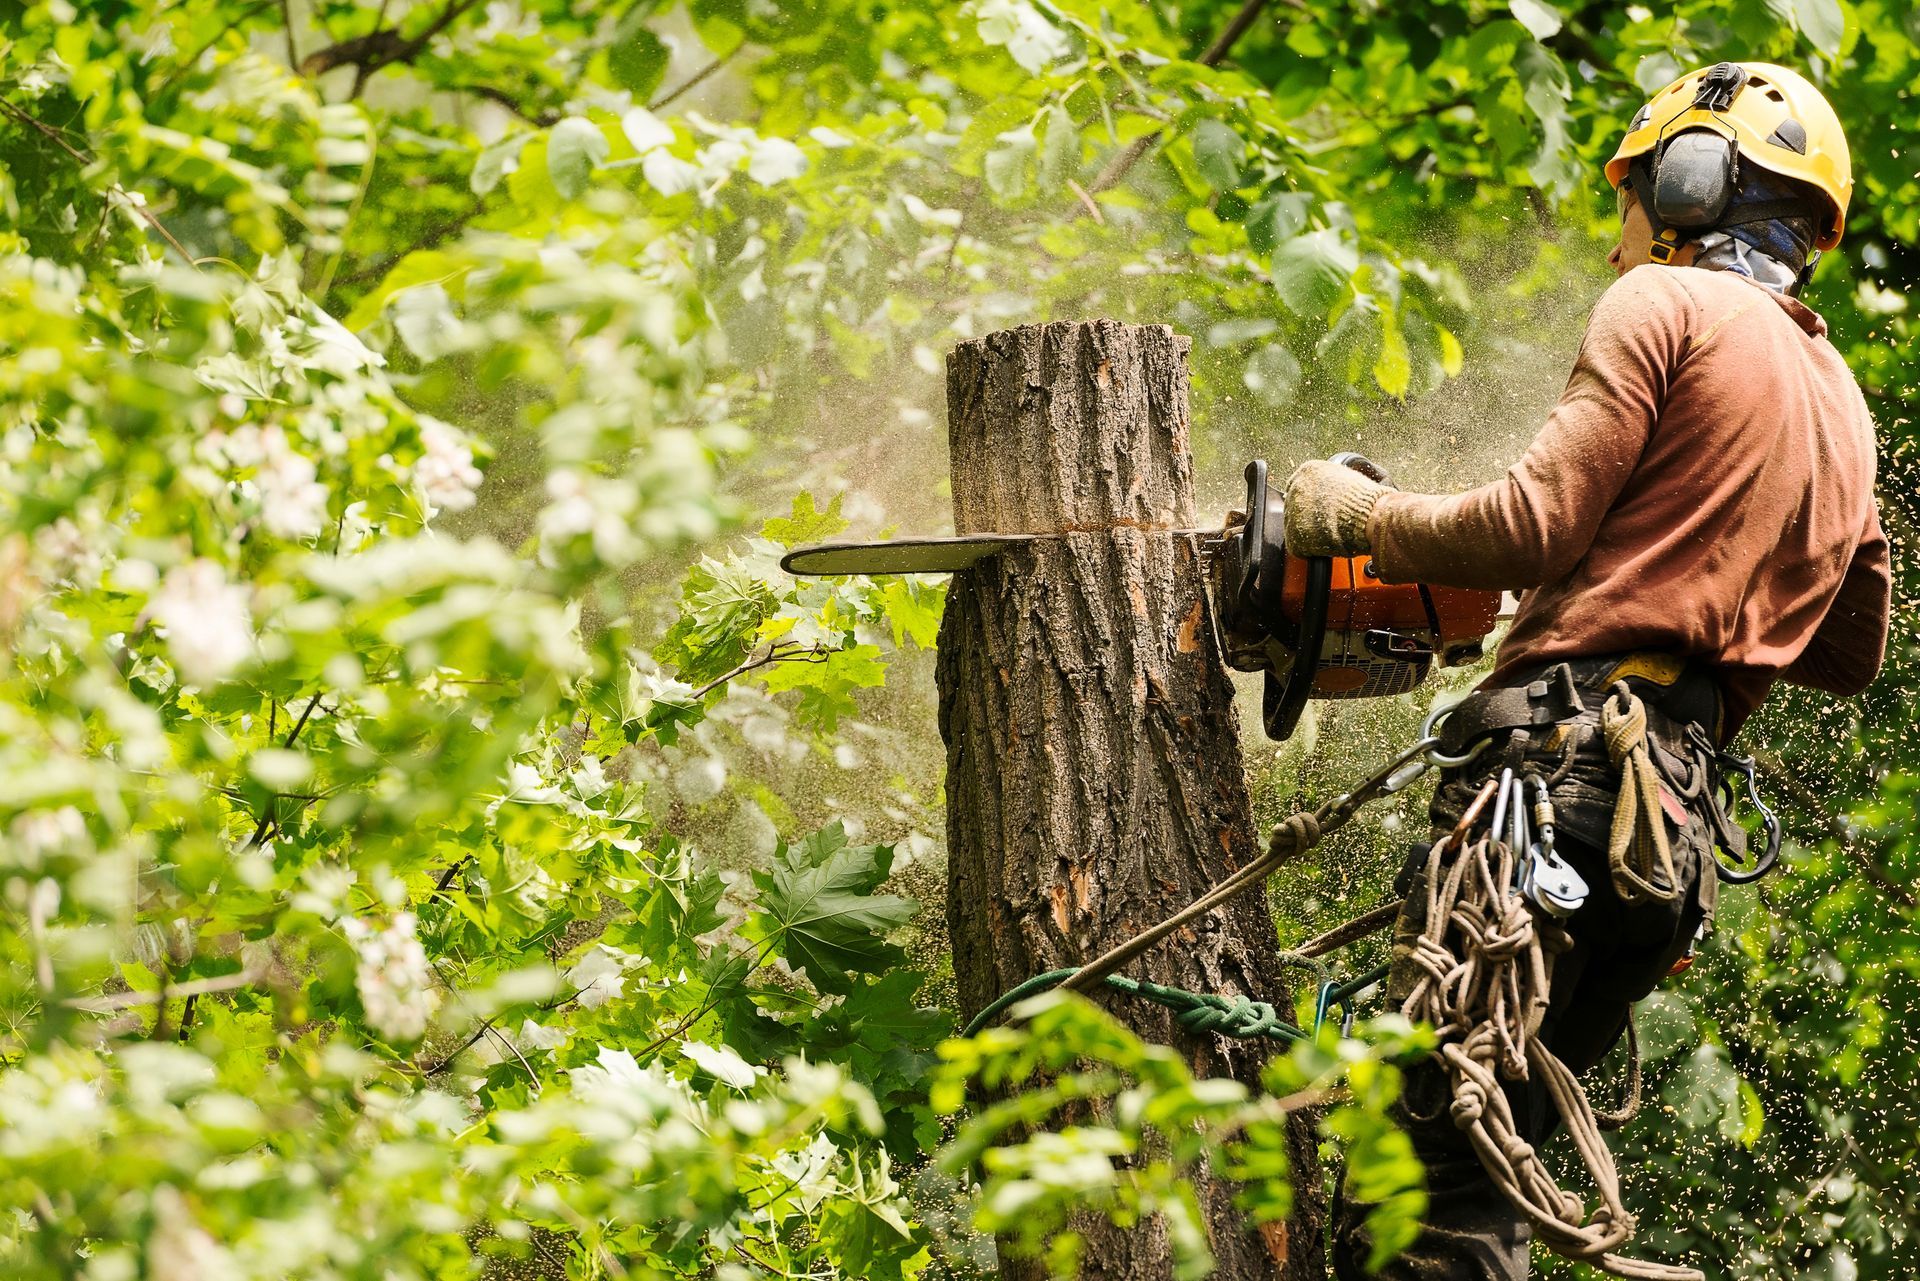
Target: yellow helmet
(1774, 118)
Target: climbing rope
(1236, 1016)
(1486, 962)
(1291, 838)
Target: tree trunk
(1094, 777)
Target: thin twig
(694, 79)
(543, 119)
(267, 818)
(1093, 210)
(286, 20)
(59, 140)
(775, 653)
(442, 1065)
(446, 877)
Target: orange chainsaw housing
(1359, 603)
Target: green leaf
(637, 61)
(826, 687)
(1309, 272)
(818, 909)
(1060, 148)
(1665, 1025)
(807, 523)
(1217, 150)
(575, 147)
(1538, 17)
(1393, 369)
(1655, 72)
(1822, 22)
(1007, 165)
(496, 162)
(914, 611)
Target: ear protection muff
(1694, 179)
(1685, 184)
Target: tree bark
(1094, 776)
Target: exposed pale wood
(1094, 775)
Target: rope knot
(1294, 835)
(1469, 1104)
(1236, 1016)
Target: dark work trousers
(1470, 1231)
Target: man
(1695, 522)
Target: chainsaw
(1319, 627)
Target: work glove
(1327, 509)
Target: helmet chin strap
(1667, 240)
(1806, 274)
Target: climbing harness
(1496, 895)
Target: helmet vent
(1792, 135)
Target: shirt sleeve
(1533, 525)
(1851, 642)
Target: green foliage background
(411, 874)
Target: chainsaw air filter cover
(1365, 638)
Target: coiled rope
(1486, 965)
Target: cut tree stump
(1094, 775)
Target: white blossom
(67, 553)
(40, 834)
(600, 977)
(445, 474)
(537, 1036)
(208, 626)
(292, 502)
(722, 1064)
(393, 976)
(180, 1249)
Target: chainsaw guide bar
(948, 554)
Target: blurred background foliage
(434, 831)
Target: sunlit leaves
(818, 909)
(574, 148)
(1311, 271)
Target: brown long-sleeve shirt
(1703, 488)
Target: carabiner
(1770, 820)
(1429, 731)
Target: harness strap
(1638, 853)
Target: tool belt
(1551, 727)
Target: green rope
(1240, 1017)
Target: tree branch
(544, 119)
(59, 140)
(380, 47)
(775, 653)
(693, 79)
(1216, 52)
